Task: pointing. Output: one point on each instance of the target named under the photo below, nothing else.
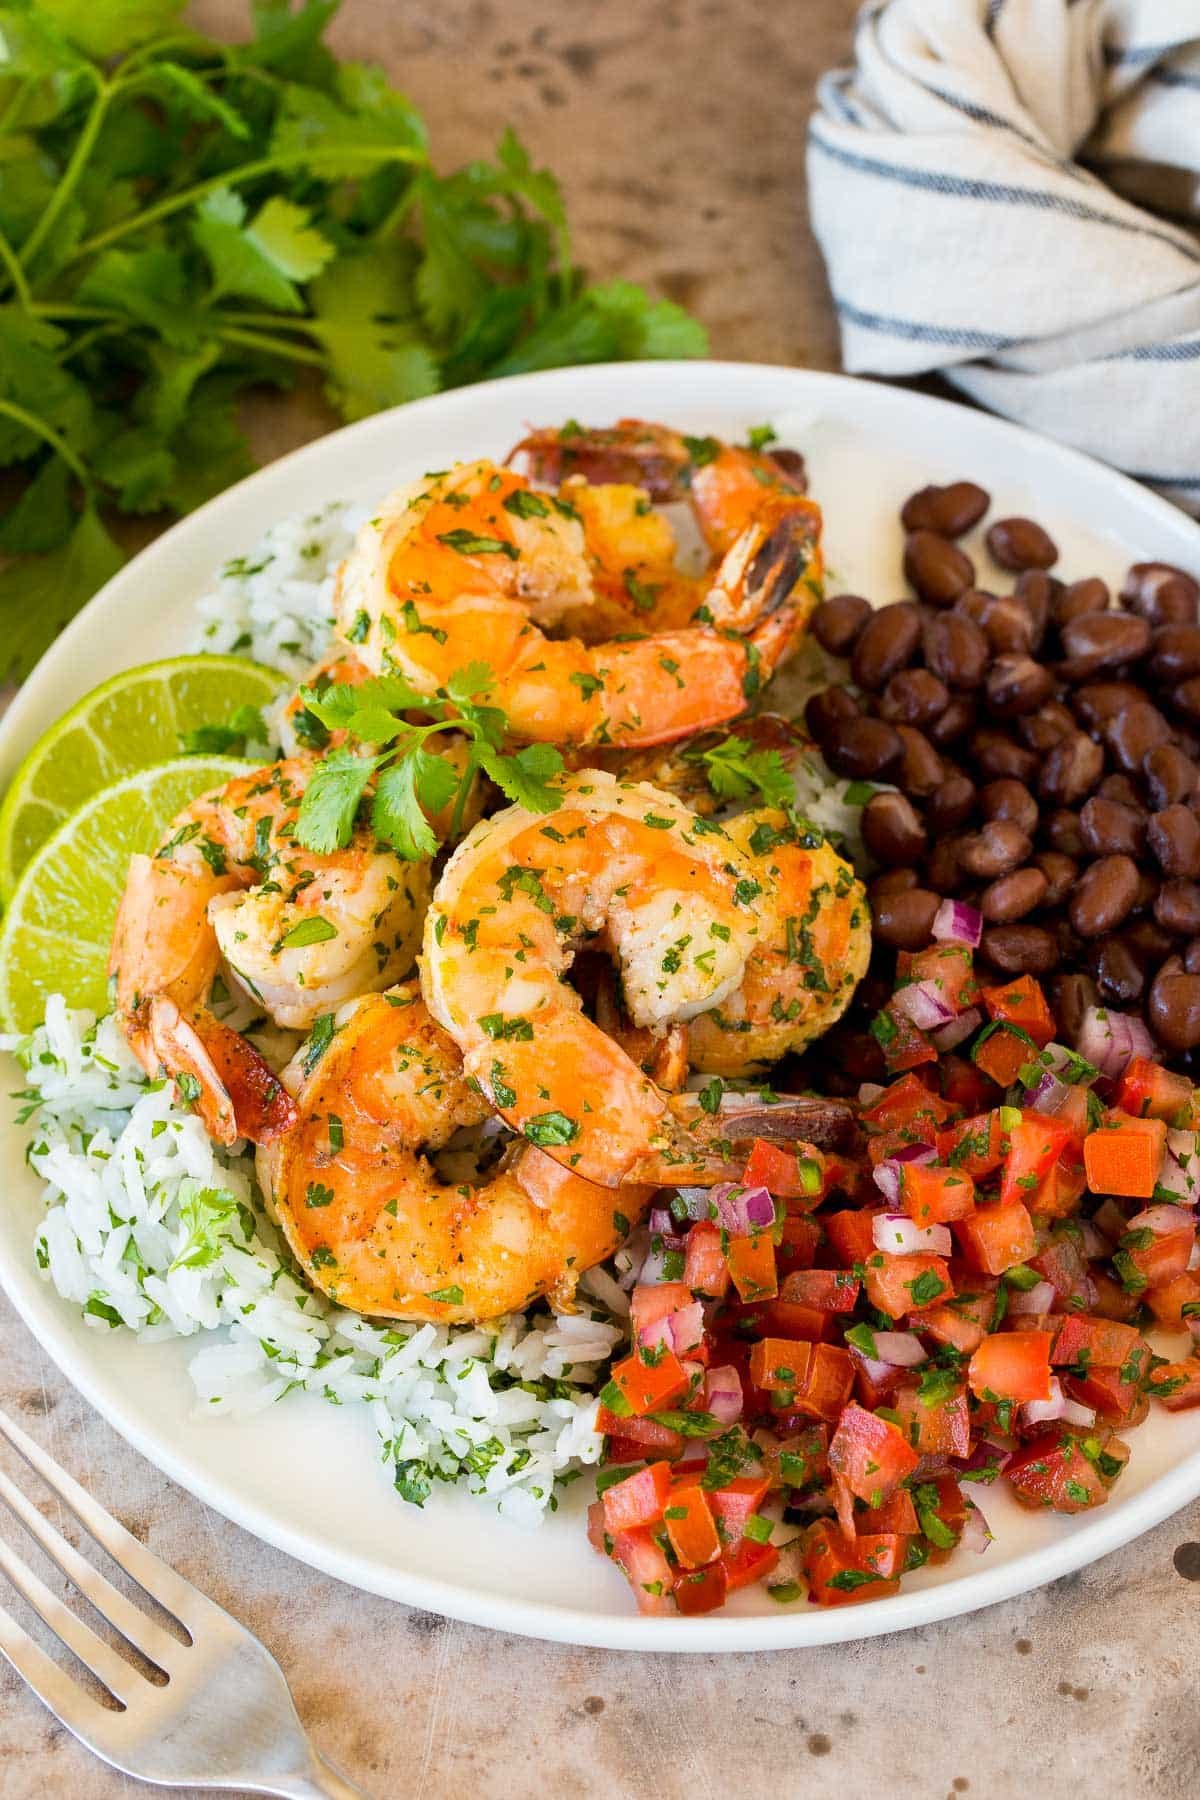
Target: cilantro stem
(84, 145)
(250, 171)
(9, 409)
(272, 346)
(11, 262)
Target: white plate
(305, 1476)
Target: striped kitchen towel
(1008, 191)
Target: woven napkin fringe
(963, 232)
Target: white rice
(151, 1227)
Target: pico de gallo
(832, 1363)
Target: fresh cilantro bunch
(411, 780)
(735, 770)
(182, 218)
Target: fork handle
(320, 1781)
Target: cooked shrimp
(812, 951)
(474, 565)
(676, 903)
(367, 1216)
(300, 932)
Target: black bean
(1169, 775)
(1006, 623)
(1162, 593)
(1099, 700)
(998, 754)
(1071, 995)
(1021, 544)
(1099, 641)
(954, 722)
(938, 570)
(1119, 973)
(921, 769)
(948, 510)
(1191, 957)
(864, 749)
(913, 697)
(997, 848)
(1017, 684)
(1020, 949)
(1177, 908)
(1174, 1006)
(951, 802)
(1042, 729)
(942, 870)
(1173, 835)
(892, 881)
(1149, 939)
(1087, 596)
(956, 649)
(1132, 733)
(1186, 697)
(1036, 591)
(1010, 897)
(886, 643)
(891, 829)
(905, 920)
(1121, 789)
(1062, 832)
(828, 708)
(1071, 769)
(1061, 874)
(1175, 653)
(1103, 896)
(792, 463)
(1012, 800)
(1110, 828)
(837, 622)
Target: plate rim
(966, 1593)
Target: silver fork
(224, 1717)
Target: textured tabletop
(677, 128)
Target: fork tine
(172, 1592)
(119, 1677)
(143, 1633)
(53, 1687)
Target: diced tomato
(751, 1264)
(1012, 1365)
(649, 1304)
(843, 1570)
(736, 1502)
(874, 1383)
(904, 1104)
(1112, 1301)
(798, 1461)
(967, 1088)
(1059, 1195)
(799, 1237)
(896, 1517)
(897, 1285)
(1062, 1470)
(1093, 1343)
(779, 1365)
(643, 1386)
(1036, 1143)
(974, 1146)
(996, 1237)
(942, 1497)
(1148, 1091)
(784, 1318)
(645, 1435)
(936, 1422)
(1156, 1248)
(748, 1562)
(1167, 1300)
(1022, 1003)
(1177, 1384)
(933, 1196)
(705, 1270)
(1124, 1155)
(701, 1590)
(1062, 1263)
(639, 1499)
(951, 967)
(1002, 1052)
(816, 1379)
(964, 1323)
(645, 1566)
(828, 1290)
(1117, 1399)
(849, 1235)
(691, 1528)
(797, 1174)
(870, 1454)
(903, 1046)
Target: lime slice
(55, 935)
(127, 723)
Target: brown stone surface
(678, 130)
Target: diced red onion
(1180, 1169)
(900, 1349)
(681, 1330)
(1162, 1220)
(1039, 1299)
(948, 1037)
(874, 1368)
(1111, 1039)
(868, 1093)
(976, 1532)
(1193, 1264)
(1049, 1094)
(985, 1455)
(1058, 1406)
(898, 1235)
(723, 1394)
(886, 1174)
(629, 1258)
(653, 1270)
(1093, 1243)
(742, 1210)
(923, 1003)
(660, 1220)
(957, 923)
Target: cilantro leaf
(397, 816)
(107, 27)
(735, 770)
(38, 594)
(526, 776)
(332, 799)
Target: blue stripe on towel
(1124, 56)
(1186, 350)
(1169, 481)
(918, 332)
(1174, 78)
(960, 187)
